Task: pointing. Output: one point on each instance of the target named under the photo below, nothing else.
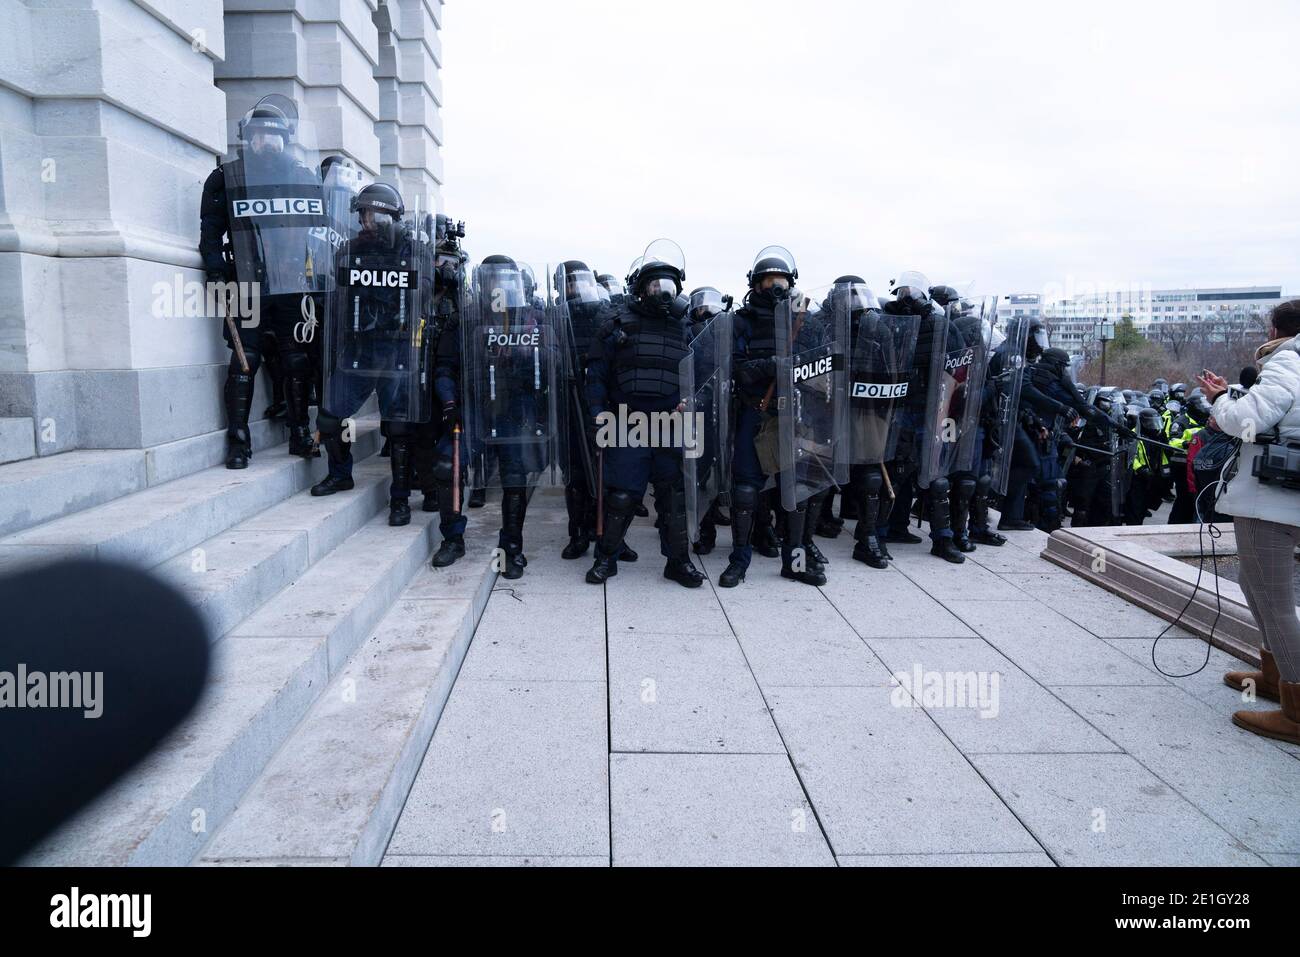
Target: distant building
(1073, 321)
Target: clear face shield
(913, 288)
(861, 298)
(377, 224)
(581, 288)
(1041, 339)
(705, 304)
(502, 289)
(660, 290)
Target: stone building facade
(112, 113)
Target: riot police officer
(771, 281)
(584, 310)
(634, 370)
(268, 198)
(379, 339)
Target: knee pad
(965, 488)
(619, 500)
(443, 470)
(254, 357)
(744, 496)
(399, 430)
(296, 364)
(983, 485)
(327, 424)
(875, 481)
(939, 488)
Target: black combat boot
(450, 551)
(339, 478)
(670, 504)
(979, 516)
(827, 525)
(575, 501)
(961, 517)
(744, 502)
(940, 522)
(810, 574)
(514, 504)
(619, 508)
(869, 549)
(399, 461)
(300, 440)
(453, 546)
(478, 498)
(239, 399)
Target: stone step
(157, 523)
(17, 440)
(43, 489)
(232, 574)
(334, 791)
(266, 674)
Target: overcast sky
(1023, 145)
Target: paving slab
(888, 604)
(656, 606)
(969, 582)
(1091, 607)
(1008, 713)
(1049, 647)
(885, 780)
(685, 693)
(514, 769)
(1236, 778)
(1186, 656)
(487, 861)
(1030, 859)
(720, 810)
(534, 653)
(824, 655)
(1097, 810)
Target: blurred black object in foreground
(98, 662)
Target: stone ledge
(1141, 566)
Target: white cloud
(1014, 143)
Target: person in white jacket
(1266, 518)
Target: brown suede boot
(1283, 725)
(1265, 681)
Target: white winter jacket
(1274, 401)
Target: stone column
(410, 93)
(109, 122)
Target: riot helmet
(268, 128)
(611, 285)
(575, 281)
(1179, 391)
(502, 287)
(1161, 384)
(379, 210)
(659, 275)
(853, 293)
(911, 292)
(1156, 398)
(944, 295)
(706, 302)
(1039, 341)
(1152, 426)
(774, 269)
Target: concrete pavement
(999, 712)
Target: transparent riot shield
(881, 351)
(379, 323)
(941, 430)
(1007, 369)
(275, 200)
(1116, 476)
(513, 355)
(579, 304)
(812, 398)
(974, 324)
(705, 376)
